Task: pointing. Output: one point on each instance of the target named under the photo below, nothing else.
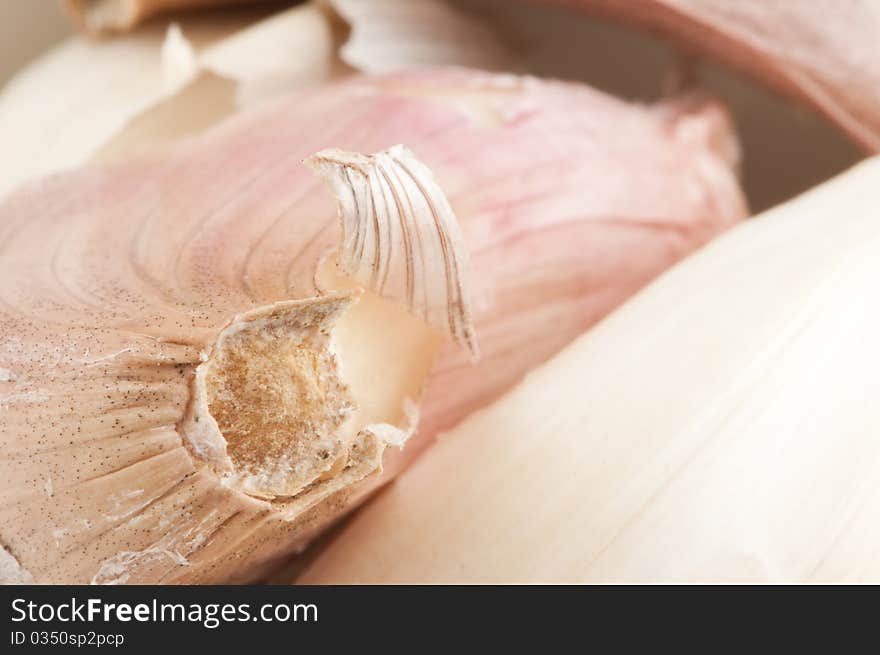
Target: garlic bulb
(136, 297)
(822, 51)
(720, 427)
(281, 407)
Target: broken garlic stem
(269, 407)
(271, 412)
(400, 236)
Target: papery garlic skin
(388, 36)
(156, 85)
(719, 427)
(125, 78)
(117, 282)
(166, 80)
(404, 260)
(823, 51)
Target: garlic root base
(271, 411)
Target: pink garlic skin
(822, 52)
(114, 280)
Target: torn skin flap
(400, 237)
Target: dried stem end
(299, 394)
(274, 390)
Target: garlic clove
(155, 85)
(291, 50)
(821, 52)
(166, 81)
(557, 251)
(388, 36)
(118, 282)
(719, 427)
(38, 105)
